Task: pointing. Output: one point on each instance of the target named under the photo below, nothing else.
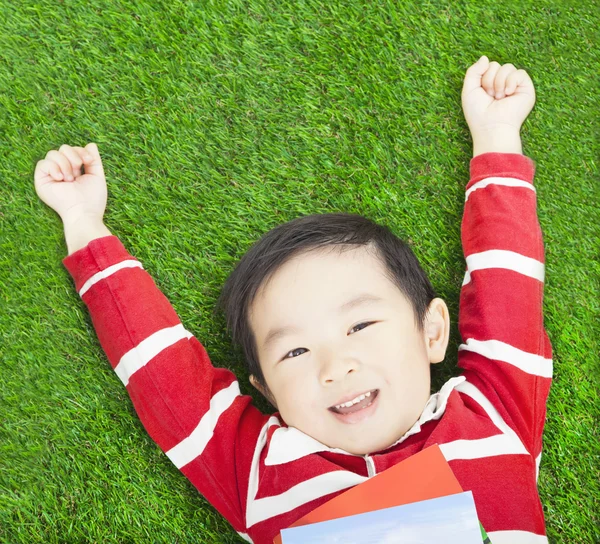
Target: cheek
(295, 394)
(399, 358)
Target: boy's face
(331, 354)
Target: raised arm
(192, 410)
(505, 353)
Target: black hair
(340, 231)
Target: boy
(339, 325)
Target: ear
(264, 390)
(437, 330)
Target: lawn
(218, 120)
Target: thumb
(93, 166)
(474, 74)
(92, 148)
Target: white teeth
(353, 401)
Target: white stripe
(499, 351)
(141, 354)
(467, 278)
(538, 460)
(508, 260)
(507, 182)
(245, 537)
(107, 272)
(254, 468)
(481, 448)
(502, 444)
(516, 537)
(309, 490)
(191, 447)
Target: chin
(359, 451)
(364, 449)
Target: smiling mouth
(367, 401)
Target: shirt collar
(289, 444)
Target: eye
(362, 325)
(358, 327)
(292, 352)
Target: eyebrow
(360, 300)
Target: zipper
(371, 470)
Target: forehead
(327, 267)
(318, 281)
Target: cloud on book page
(451, 519)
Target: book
(451, 519)
(425, 475)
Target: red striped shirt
(263, 475)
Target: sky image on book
(451, 520)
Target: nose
(335, 367)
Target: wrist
(502, 139)
(81, 231)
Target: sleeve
(506, 352)
(193, 411)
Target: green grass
(218, 120)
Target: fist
(71, 181)
(496, 96)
